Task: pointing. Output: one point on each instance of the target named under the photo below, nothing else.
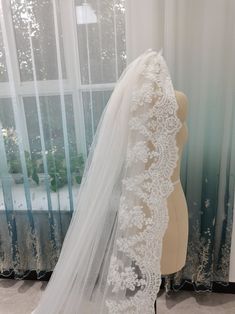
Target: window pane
(10, 135)
(52, 124)
(6, 113)
(11, 173)
(34, 20)
(101, 40)
(93, 106)
(51, 114)
(3, 66)
(57, 166)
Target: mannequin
(176, 237)
(175, 241)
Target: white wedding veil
(110, 259)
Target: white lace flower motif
(143, 96)
(122, 278)
(172, 124)
(139, 152)
(134, 217)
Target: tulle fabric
(110, 259)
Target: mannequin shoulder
(182, 101)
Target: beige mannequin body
(176, 237)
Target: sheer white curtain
(198, 41)
(59, 61)
(200, 47)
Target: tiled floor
(20, 297)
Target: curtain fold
(201, 55)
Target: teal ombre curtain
(200, 47)
(198, 41)
(59, 61)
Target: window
(59, 61)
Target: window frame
(72, 85)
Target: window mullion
(68, 20)
(6, 7)
(24, 130)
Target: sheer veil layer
(110, 259)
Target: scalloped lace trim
(143, 214)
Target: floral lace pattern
(134, 275)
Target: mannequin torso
(176, 237)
